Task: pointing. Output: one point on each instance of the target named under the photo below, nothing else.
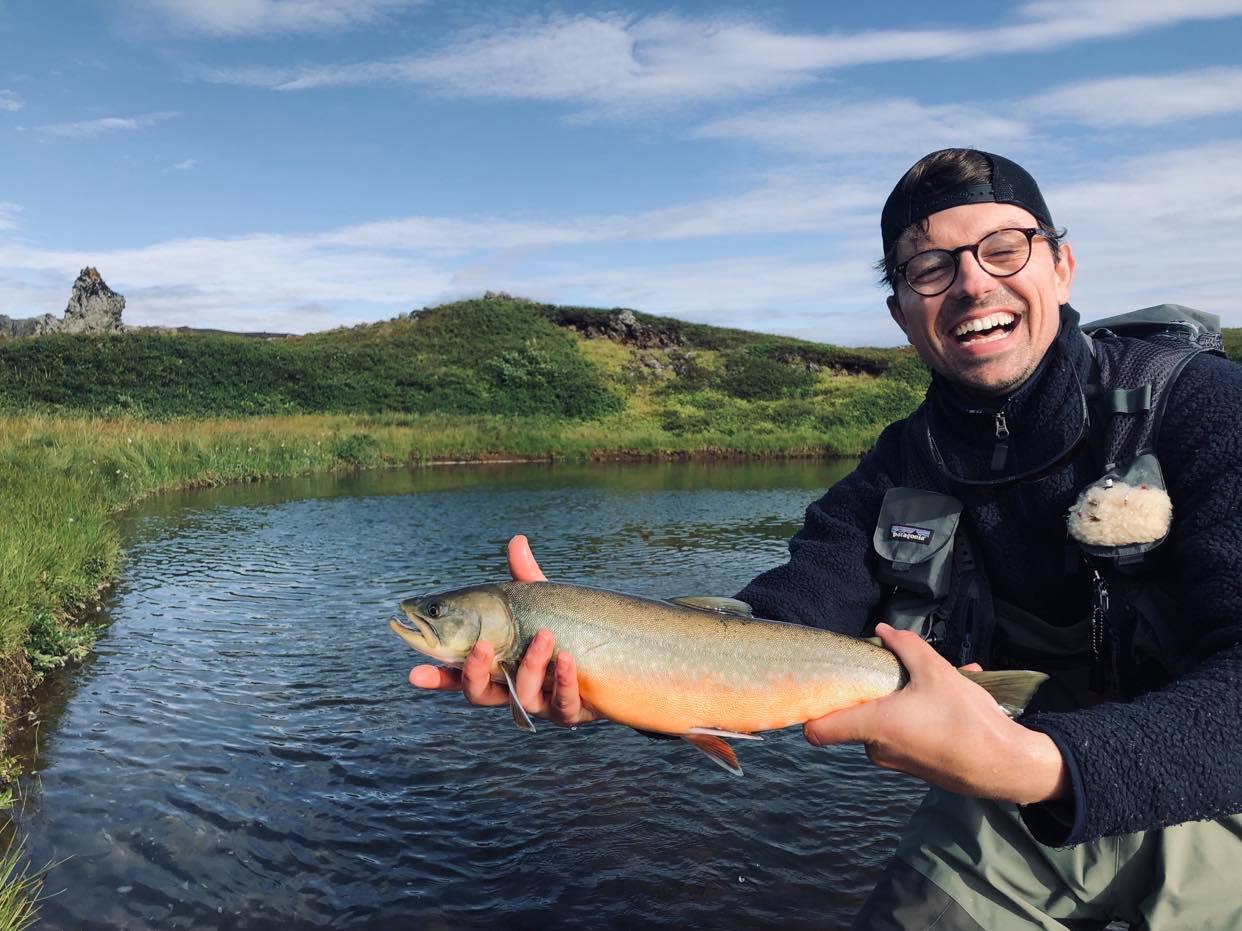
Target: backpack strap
(1140, 375)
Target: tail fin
(1012, 688)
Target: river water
(243, 751)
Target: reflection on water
(243, 751)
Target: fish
(699, 669)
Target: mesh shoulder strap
(1135, 379)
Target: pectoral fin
(1012, 689)
(720, 752)
(520, 717)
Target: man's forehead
(959, 226)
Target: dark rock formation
(620, 326)
(93, 308)
(26, 326)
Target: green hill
(493, 356)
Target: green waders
(967, 863)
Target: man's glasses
(1000, 254)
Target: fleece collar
(1045, 416)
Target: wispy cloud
(867, 127)
(105, 124)
(1145, 100)
(1158, 227)
(186, 164)
(11, 101)
(856, 128)
(8, 215)
(234, 18)
(1155, 228)
(615, 63)
(364, 271)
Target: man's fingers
(522, 565)
(566, 700)
(436, 677)
(476, 677)
(532, 672)
(916, 654)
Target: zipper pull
(1099, 612)
(1105, 642)
(1000, 452)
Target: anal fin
(716, 749)
(717, 732)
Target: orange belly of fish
(675, 708)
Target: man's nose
(971, 281)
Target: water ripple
(243, 750)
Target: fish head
(447, 625)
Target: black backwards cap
(1010, 184)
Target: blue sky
(295, 165)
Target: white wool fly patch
(1120, 514)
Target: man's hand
(558, 701)
(947, 731)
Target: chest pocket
(914, 541)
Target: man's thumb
(849, 725)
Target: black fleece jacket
(1168, 756)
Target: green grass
(20, 889)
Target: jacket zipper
(1000, 452)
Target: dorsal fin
(713, 603)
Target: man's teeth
(1003, 318)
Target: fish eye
(433, 609)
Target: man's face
(999, 358)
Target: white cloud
(857, 128)
(615, 63)
(8, 215)
(1157, 228)
(1145, 100)
(231, 18)
(11, 101)
(105, 124)
(829, 299)
(871, 127)
(1161, 227)
(186, 164)
(377, 269)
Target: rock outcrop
(93, 308)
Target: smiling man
(1077, 505)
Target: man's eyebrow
(920, 237)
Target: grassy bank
(63, 478)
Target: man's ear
(1064, 271)
(894, 308)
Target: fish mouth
(415, 631)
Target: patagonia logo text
(911, 534)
